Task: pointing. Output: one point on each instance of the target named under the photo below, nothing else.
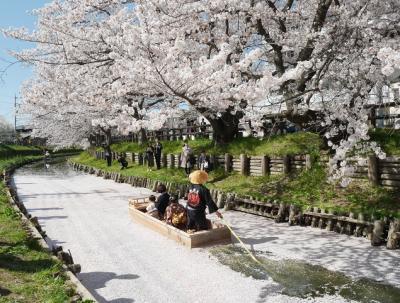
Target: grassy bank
(10, 150)
(27, 271)
(297, 143)
(388, 139)
(307, 188)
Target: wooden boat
(219, 234)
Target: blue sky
(14, 13)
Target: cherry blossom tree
(77, 87)
(306, 61)
(128, 63)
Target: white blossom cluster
(127, 65)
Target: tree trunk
(393, 240)
(225, 127)
(108, 137)
(377, 233)
(142, 136)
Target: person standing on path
(107, 155)
(150, 157)
(204, 162)
(186, 158)
(203, 128)
(157, 153)
(198, 199)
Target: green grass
(27, 271)
(388, 139)
(165, 174)
(297, 143)
(10, 150)
(311, 188)
(17, 160)
(13, 147)
(306, 188)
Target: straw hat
(198, 177)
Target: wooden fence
(250, 166)
(165, 134)
(384, 172)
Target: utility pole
(15, 113)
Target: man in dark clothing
(203, 127)
(108, 156)
(157, 153)
(199, 198)
(162, 200)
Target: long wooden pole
(241, 242)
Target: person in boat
(151, 209)
(162, 200)
(175, 213)
(198, 199)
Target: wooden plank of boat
(219, 234)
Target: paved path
(124, 262)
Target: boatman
(198, 199)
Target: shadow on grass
(4, 292)
(14, 263)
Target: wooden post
(220, 200)
(373, 170)
(393, 240)
(293, 215)
(163, 160)
(322, 221)
(171, 158)
(129, 157)
(141, 159)
(286, 165)
(228, 163)
(330, 222)
(281, 216)
(315, 220)
(359, 227)
(372, 117)
(309, 162)
(178, 160)
(244, 165)
(213, 161)
(377, 233)
(265, 171)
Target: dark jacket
(158, 149)
(205, 199)
(162, 203)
